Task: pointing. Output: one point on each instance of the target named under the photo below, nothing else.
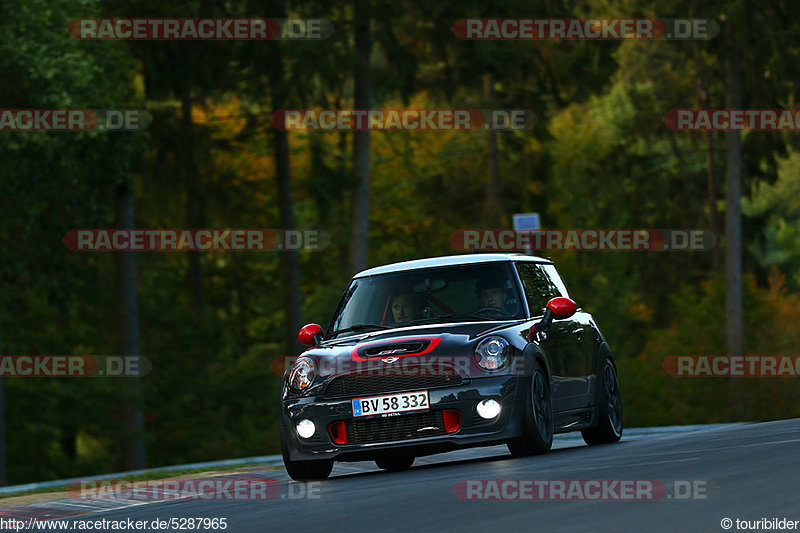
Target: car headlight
(302, 374)
(492, 353)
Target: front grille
(354, 386)
(392, 428)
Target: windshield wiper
(361, 327)
(440, 317)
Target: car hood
(429, 349)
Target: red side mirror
(562, 307)
(308, 334)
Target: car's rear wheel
(537, 427)
(609, 408)
(304, 470)
(395, 463)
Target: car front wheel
(304, 470)
(537, 427)
(395, 463)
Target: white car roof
(448, 260)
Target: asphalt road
(744, 471)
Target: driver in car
(491, 294)
(405, 307)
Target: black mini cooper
(433, 355)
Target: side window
(556, 279)
(539, 288)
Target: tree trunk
(712, 196)
(341, 217)
(711, 190)
(359, 229)
(130, 335)
(288, 259)
(194, 217)
(289, 264)
(733, 216)
(492, 209)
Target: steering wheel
(502, 313)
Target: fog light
(306, 428)
(488, 409)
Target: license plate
(391, 403)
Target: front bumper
(473, 431)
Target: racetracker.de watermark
(583, 240)
(733, 119)
(74, 366)
(389, 366)
(74, 119)
(185, 240)
(579, 489)
(224, 488)
(733, 366)
(199, 29)
(570, 29)
(386, 365)
(403, 119)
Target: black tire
(304, 470)
(609, 408)
(308, 470)
(395, 463)
(537, 427)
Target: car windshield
(486, 291)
